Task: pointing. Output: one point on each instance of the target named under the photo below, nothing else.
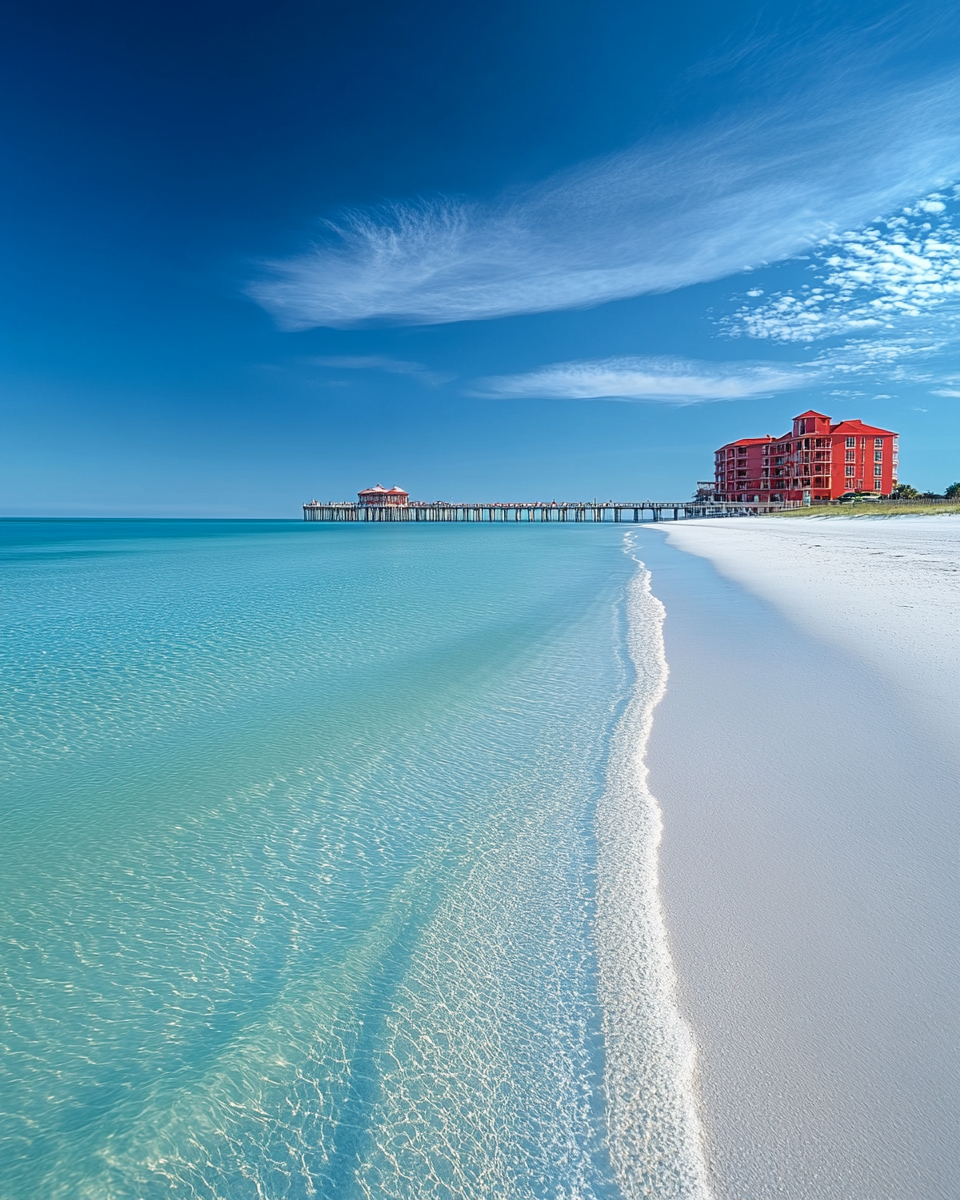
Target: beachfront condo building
(818, 460)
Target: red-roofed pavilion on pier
(817, 460)
(379, 496)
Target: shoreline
(806, 875)
(654, 1129)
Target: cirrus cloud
(669, 380)
(749, 189)
(381, 362)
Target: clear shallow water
(300, 866)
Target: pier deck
(588, 511)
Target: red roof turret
(380, 495)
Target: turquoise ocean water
(328, 866)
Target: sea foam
(654, 1130)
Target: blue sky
(254, 254)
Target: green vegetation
(903, 491)
(876, 508)
(904, 500)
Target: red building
(379, 496)
(816, 461)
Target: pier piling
(583, 511)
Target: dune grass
(874, 508)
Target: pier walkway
(589, 511)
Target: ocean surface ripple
(300, 867)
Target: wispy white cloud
(877, 279)
(669, 380)
(859, 362)
(746, 191)
(380, 362)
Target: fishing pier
(589, 511)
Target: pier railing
(589, 511)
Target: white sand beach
(804, 757)
(886, 590)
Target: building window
(851, 443)
(848, 470)
(878, 456)
(878, 470)
(878, 442)
(851, 455)
(876, 485)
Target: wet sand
(808, 874)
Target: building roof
(859, 427)
(374, 491)
(840, 427)
(397, 491)
(748, 442)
